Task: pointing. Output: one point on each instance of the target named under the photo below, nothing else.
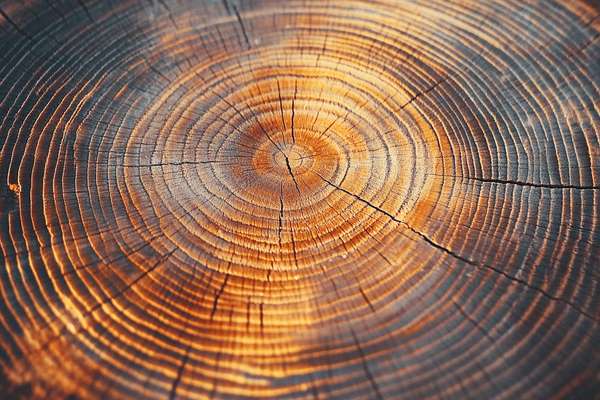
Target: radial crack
(464, 259)
(15, 26)
(473, 322)
(218, 296)
(166, 7)
(179, 375)
(366, 367)
(419, 94)
(289, 168)
(86, 10)
(364, 295)
(521, 183)
(239, 18)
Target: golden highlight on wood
(299, 199)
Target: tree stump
(299, 199)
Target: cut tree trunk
(299, 199)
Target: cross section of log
(299, 199)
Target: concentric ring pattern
(300, 199)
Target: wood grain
(299, 199)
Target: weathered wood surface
(320, 199)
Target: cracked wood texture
(299, 199)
